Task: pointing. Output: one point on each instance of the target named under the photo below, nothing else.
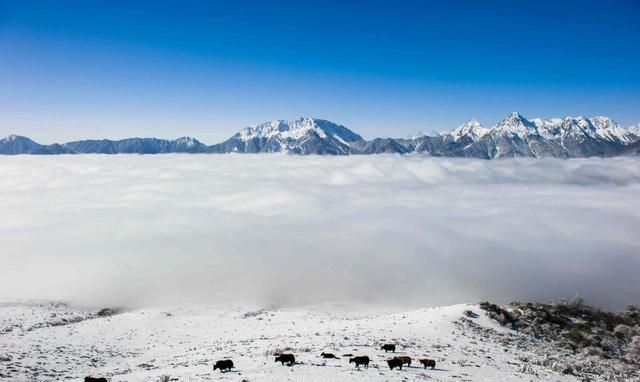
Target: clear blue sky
(90, 69)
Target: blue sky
(112, 69)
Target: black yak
(394, 362)
(286, 358)
(225, 364)
(92, 379)
(428, 363)
(388, 347)
(328, 355)
(364, 360)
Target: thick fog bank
(169, 229)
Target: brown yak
(404, 359)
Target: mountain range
(515, 136)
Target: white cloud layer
(141, 230)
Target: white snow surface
(183, 342)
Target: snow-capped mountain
(577, 127)
(514, 136)
(299, 136)
(514, 126)
(472, 129)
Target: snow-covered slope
(53, 342)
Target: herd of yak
(290, 359)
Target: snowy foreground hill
(53, 341)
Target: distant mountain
(137, 146)
(16, 144)
(515, 136)
(379, 146)
(299, 136)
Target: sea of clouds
(277, 229)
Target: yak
(328, 355)
(225, 364)
(364, 360)
(394, 362)
(428, 363)
(388, 347)
(404, 360)
(93, 379)
(286, 358)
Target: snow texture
(183, 342)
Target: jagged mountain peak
(515, 125)
(514, 117)
(472, 128)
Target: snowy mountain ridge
(514, 136)
(297, 129)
